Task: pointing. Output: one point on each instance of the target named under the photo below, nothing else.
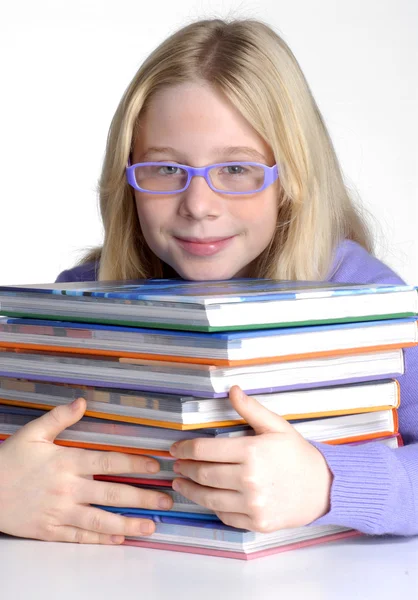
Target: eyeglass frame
(271, 174)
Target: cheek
(144, 213)
(267, 209)
(151, 214)
(151, 227)
(258, 213)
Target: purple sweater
(375, 488)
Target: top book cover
(209, 305)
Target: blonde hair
(255, 69)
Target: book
(206, 534)
(201, 537)
(210, 305)
(224, 349)
(183, 412)
(101, 434)
(185, 517)
(196, 379)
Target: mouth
(203, 246)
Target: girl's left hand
(270, 481)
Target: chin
(207, 273)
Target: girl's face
(200, 233)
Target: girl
(231, 173)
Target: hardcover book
(207, 381)
(175, 411)
(140, 439)
(222, 349)
(210, 305)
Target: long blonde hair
(255, 69)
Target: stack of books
(155, 361)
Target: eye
(235, 170)
(169, 170)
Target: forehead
(195, 117)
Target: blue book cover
(202, 292)
(206, 521)
(138, 512)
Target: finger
(260, 418)
(118, 494)
(66, 533)
(238, 520)
(215, 475)
(93, 462)
(223, 500)
(100, 521)
(227, 450)
(53, 422)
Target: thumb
(261, 419)
(56, 420)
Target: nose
(199, 201)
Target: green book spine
(206, 328)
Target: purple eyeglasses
(227, 178)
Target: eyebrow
(227, 151)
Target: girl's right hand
(46, 490)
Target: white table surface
(364, 568)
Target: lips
(204, 246)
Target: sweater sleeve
(375, 488)
(86, 272)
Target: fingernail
(173, 449)
(239, 393)
(146, 527)
(164, 503)
(152, 467)
(176, 467)
(117, 539)
(175, 485)
(76, 405)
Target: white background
(65, 65)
